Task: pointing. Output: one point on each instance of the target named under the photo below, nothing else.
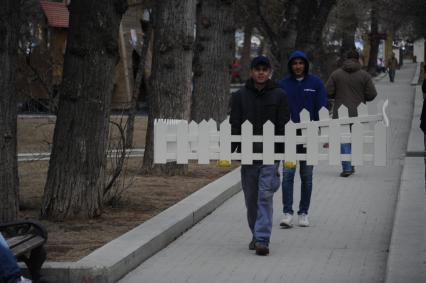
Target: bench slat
(14, 241)
(28, 245)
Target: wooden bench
(26, 241)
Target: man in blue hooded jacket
(304, 91)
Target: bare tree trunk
(374, 39)
(212, 60)
(171, 78)
(246, 52)
(311, 19)
(347, 25)
(282, 41)
(9, 181)
(75, 180)
(147, 31)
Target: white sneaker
(287, 221)
(303, 220)
(23, 280)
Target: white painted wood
(380, 144)
(362, 110)
(182, 142)
(334, 143)
(175, 140)
(203, 143)
(357, 144)
(268, 143)
(324, 114)
(305, 116)
(290, 142)
(343, 112)
(246, 143)
(160, 143)
(312, 144)
(193, 136)
(225, 141)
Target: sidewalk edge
(115, 259)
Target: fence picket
(225, 141)
(362, 110)
(182, 142)
(193, 136)
(268, 143)
(203, 143)
(290, 142)
(160, 142)
(246, 143)
(312, 144)
(334, 143)
(357, 144)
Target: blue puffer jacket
(308, 93)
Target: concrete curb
(407, 251)
(118, 257)
(415, 80)
(415, 140)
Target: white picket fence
(176, 140)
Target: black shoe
(261, 249)
(252, 245)
(345, 174)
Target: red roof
(57, 13)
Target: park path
(351, 223)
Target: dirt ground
(145, 196)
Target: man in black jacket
(258, 101)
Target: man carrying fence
(304, 91)
(350, 86)
(258, 101)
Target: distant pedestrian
(392, 64)
(304, 91)
(258, 101)
(350, 86)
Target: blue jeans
(346, 148)
(306, 172)
(9, 269)
(259, 183)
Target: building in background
(47, 49)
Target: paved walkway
(351, 224)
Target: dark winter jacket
(258, 107)
(349, 85)
(308, 93)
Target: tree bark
(75, 180)
(171, 77)
(147, 31)
(9, 181)
(347, 25)
(283, 39)
(374, 39)
(214, 51)
(246, 52)
(311, 20)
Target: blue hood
(298, 54)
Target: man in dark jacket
(304, 91)
(258, 101)
(350, 86)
